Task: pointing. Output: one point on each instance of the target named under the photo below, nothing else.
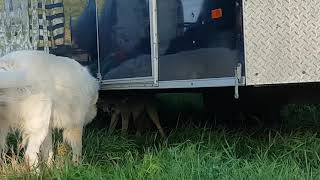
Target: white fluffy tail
(9, 82)
(13, 79)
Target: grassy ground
(191, 152)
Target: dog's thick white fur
(41, 91)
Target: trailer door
(198, 39)
(124, 40)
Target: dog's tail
(10, 81)
(13, 79)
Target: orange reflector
(216, 13)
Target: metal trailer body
(173, 44)
(282, 41)
(189, 47)
(280, 46)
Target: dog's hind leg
(154, 116)
(114, 120)
(125, 114)
(73, 136)
(36, 126)
(3, 141)
(46, 149)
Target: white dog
(41, 91)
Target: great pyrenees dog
(40, 92)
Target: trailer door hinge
(237, 77)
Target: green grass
(302, 116)
(191, 154)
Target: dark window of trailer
(124, 35)
(198, 38)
